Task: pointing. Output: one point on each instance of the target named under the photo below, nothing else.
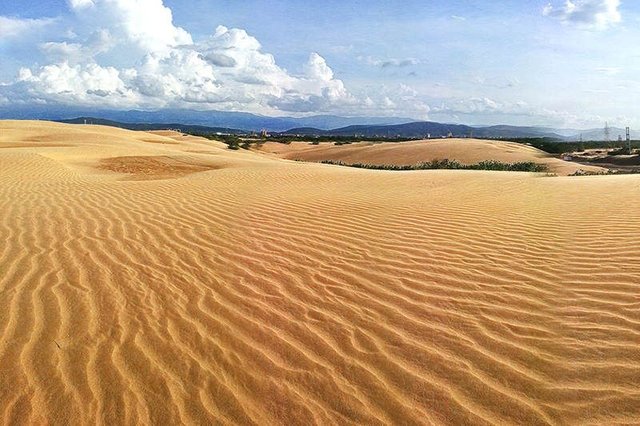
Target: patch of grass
(581, 172)
(606, 173)
(526, 166)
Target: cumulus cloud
(130, 54)
(76, 84)
(14, 27)
(147, 24)
(593, 14)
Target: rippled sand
(160, 279)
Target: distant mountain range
(186, 128)
(407, 130)
(320, 125)
(219, 119)
(423, 129)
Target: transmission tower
(629, 140)
(607, 132)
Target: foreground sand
(191, 284)
(466, 151)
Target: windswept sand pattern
(262, 291)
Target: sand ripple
(271, 292)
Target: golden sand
(191, 284)
(466, 151)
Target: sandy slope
(466, 151)
(203, 285)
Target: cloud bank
(130, 54)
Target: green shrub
(447, 164)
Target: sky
(564, 63)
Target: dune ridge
(263, 291)
(465, 151)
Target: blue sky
(564, 63)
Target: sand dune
(466, 151)
(191, 284)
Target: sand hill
(466, 151)
(161, 279)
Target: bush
(620, 151)
(447, 164)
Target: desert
(158, 278)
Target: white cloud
(592, 14)
(62, 50)
(147, 24)
(469, 106)
(317, 68)
(80, 4)
(74, 52)
(165, 68)
(77, 84)
(482, 109)
(396, 100)
(390, 62)
(609, 70)
(130, 54)
(14, 27)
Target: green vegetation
(606, 173)
(590, 173)
(233, 144)
(527, 166)
(622, 151)
(548, 145)
(556, 146)
(232, 141)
